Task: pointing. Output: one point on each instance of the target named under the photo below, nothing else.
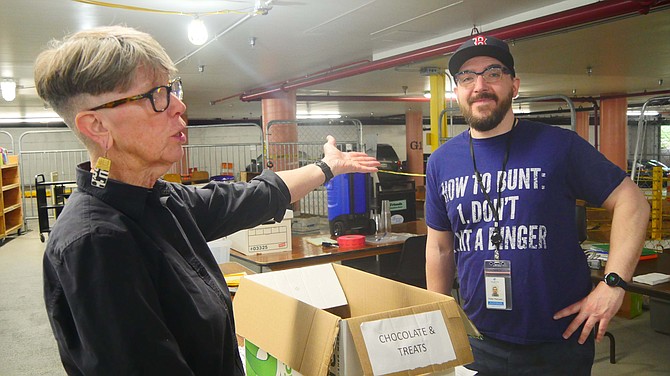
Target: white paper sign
(316, 285)
(407, 342)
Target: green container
(631, 306)
(260, 363)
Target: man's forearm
(630, 217)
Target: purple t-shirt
(548, 169)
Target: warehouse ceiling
(350, 50)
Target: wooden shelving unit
(10, 201)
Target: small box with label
(265, 238)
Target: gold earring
(101, 172)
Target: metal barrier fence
(215, 149)
(648, 139)
(7, 141)
(308, 149)
(54, 153)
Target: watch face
(612, 279)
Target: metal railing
(43, 152)
(641, 131)
(311, 135)
(6, 138)
(208, 151)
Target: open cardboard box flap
(298, 334)
(303, 336)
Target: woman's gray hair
(94, 62)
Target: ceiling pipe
(598, 11)
(591, 99)
(641, 94)
(327, 70)
(358, 98)
(386, 98)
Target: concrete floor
(27, 346)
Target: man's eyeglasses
(491, 74)
(159, 96)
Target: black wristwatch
(326, 171)
(614, 280)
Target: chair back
(580, 222)
(412, 264)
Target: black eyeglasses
(159, 96)
(491, 74)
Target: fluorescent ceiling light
(638, 113)
(447, 94)
(8, 88)
(318, 116)
(43, 120)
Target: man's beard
(487, 123)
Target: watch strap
(614, 280)
(327, 172)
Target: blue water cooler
(349, 198)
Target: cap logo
(479, 40)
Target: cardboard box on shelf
(265, 238)
(331, 319)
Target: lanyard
(496, 238)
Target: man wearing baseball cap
(500, 209)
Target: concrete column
(613, 130)
(281, 106)
(582, 126)
(414, 147)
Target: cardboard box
(247, 176)
(305, 224)
(265, 238)
(234, 267)
(333, 319)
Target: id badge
(498, 284)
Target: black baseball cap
(481, 45)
